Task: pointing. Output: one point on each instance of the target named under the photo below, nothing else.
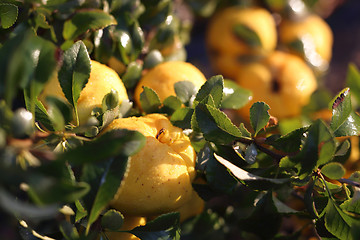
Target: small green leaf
(150, 101)
(259, 116)
(8, 14)
(215, 125)
(333, 170)
(171, 104)
(234, 96)
(244, 131)
(353, 81)
(112, 220)
(182, 117)
(152, 59)
(318, 148)
(165, 226)
(246, 176)
(185, 90)
(344, 122)
(84, 20)
(59, 112)
(291, 142)
(247, 35)
(110, 100)
(337, 222)
(74, 72)
(214, 87)
(68, 230)
(132, 74)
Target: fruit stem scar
(275, 85)
(161, 131)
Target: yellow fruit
(130, 223)
(283, 81)
(226, 49)
(159, 179)
(163, 76)
(102, 80)
(316, 35)
(192, 208)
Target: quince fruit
(283, 81)
(160, 175)
(227, 50)
(163, 76)
(315, 37)
(101, 81)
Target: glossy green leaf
(247, 35)
(152, 59)
(29, 67)
(8, 14)
(112, 220)
(185, 90)
(344, 122)
(150, 101)
(132, 74)
(86, 20)
(171, 104)
(165, 226)
(110, 183)
(215, 125)
(338, 222)
(291, 142)
(59, 112)
(74, 72)
(246, 176)
(234, 96)
(217, 175)
(353, 81)
(182, 117)
(124, 45)
(259, 116)
(319, 148)
(244, 131)
(333, 170)
(214, 87)
(120, 142)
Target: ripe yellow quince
(228, 52)
(316, 37)
(163, 76)
(159, 179)
(283, 81)
(101, 81)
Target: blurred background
(343, 16)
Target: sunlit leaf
(344, 122)
(215, 125)
(165, 226)
(150, 101)
(74, 72)
(214, 87)
(112, 220)
(85, 20)
(234, 96)
(338, 222)
(8, 14)
(333, 170)
(259, 116)
(244, 175)
(185, 90)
